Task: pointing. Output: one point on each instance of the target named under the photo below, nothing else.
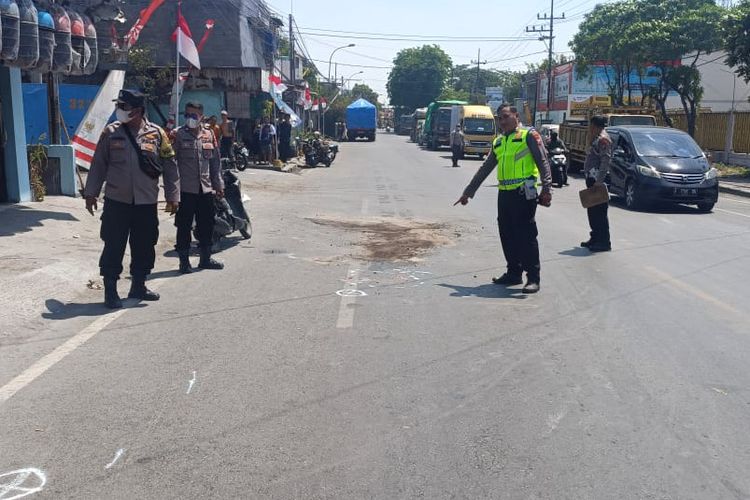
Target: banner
(87, 136)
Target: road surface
(355, 348)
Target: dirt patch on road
(391, 239)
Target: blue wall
(74, 102)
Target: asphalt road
(625, 377)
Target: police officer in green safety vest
(522, 169)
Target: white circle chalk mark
(350, 292)
(20, 483)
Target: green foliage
(468, 84)
(142, 74)
(37, 155)
(363, 91)
(418, 76)
(737, 33)
(632, 34)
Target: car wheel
(706, 207)
(242, 165)
(632, 197)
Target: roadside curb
(733, 190)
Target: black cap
(132, 97)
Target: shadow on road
(57, 310)
(21, 219)
(485, 291)
(576, 252)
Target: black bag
(148, 165)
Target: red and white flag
(206, 34)
(319, 103)
(185, 44)
(143, 18)
(277, 87)
(305, 98)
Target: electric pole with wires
(548, 34)
(478, 62)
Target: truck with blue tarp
(361, 120)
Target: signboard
(495, 97)
(579, 103)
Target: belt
(510, 182)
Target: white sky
(466, 18)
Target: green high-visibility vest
(515, 163)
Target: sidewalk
(49, 255)
(738, 186)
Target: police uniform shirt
(198, 160)
(116, 162)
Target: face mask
(191, 123)
(123, 116)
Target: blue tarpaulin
(74, 102)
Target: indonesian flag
(319, 103)
(185, 44)
(306, 98)
(277, 87)
(143, 18)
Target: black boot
(532, 286)
(111, 299)
(139, 291)
(207, 262)
(508, 279)
(185, 267)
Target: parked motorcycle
(240, 158)
(319, 151)
(231, 214)
(558, 163)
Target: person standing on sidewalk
(129, 157)
(200, 180)
(521, 163)
(285, 138)
(227, 135)
(457, 144)
(595, 168)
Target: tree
(418, 76)
(363, 91)
(737, 32)
(631, 36)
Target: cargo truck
(361, 120)
(437, 124)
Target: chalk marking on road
(15, 488)
(45, 363)
(731, 212)
(664, 219)
(686, 287)
(191, 382)
(349, 295)
(720, 391)
(118, 454)
(554, 420)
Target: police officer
(521, 162)
(595, 168)
(128, 157)
(199, 163)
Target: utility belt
(524, 186)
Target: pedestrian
(266, 137)
(595, 168)
(521, 163)
(285, 137)
(227, 127)
(130, 156)
(200, 181)
(457, 144)
(215, 128)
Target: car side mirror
(619, 152)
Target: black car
(660, 164)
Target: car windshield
(665, 143)
(482, 126)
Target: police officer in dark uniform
(130, 156)
(199, 163)
(521, 163)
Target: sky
(322, 24)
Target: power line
(443, 39)
(397, 35)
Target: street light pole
(352, 76)
(330, 59)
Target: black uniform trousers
(518, 233)
(127, 221)
(598, 220)
(198, 207)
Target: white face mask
(123, 116)
(192, 123)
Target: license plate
(685, 192)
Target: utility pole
(292, 58)
(548, 33)
(478, 62)
(53, 102)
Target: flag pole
(177, 66)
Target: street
(356, 348)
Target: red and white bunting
(277, 86)
(185, 44)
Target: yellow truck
(479, 129)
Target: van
(479, 129)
